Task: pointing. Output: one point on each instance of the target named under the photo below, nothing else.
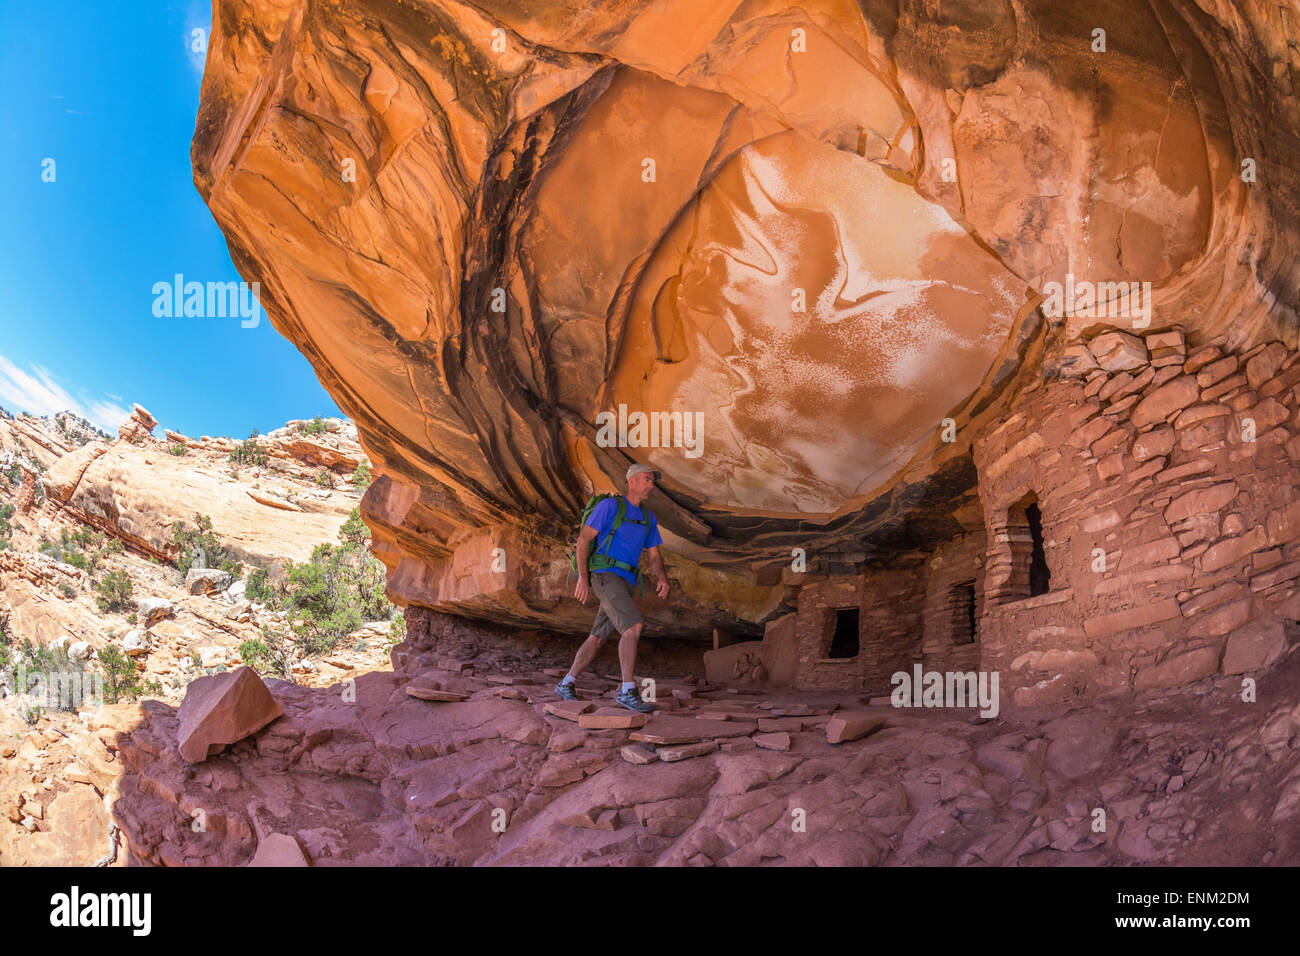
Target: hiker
(609, 570)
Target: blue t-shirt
(629, 539)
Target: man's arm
(583, 588)
(657, 566)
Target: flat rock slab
(685, 730)
(772, 741)
(851, 725)
(796, 710)
(777, 724)
(279, 849)
(433, 693)
(569, 709)
(593, 820)
(738, 745)
(672, 754)
(605, 718)
(639, 754)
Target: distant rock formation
(138, 429)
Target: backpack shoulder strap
(620, 512)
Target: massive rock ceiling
(821, 228)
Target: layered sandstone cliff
(823, 229)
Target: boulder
(136, 642)
(1254, 647)
(241, 611)
(1079, 744)
(1183, 667)
(1117, 351)
(153, 609)
(80, 651)
(219, 710)
(206, 580)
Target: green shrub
(121, 677)
(50, 671)
(272, 656)
(354, 532)
(203, 538)
(316, 426)
(68, 590)
(250, 452)
(325, 478)
(178, 449)
(6, 641)
(361, 477)
(6, 512)
(261, 589)
(337, 591)
(250, 652)
(114, 592)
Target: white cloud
(37, 392)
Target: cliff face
(813, 233)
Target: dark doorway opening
(844, 643)
(963, 613)
(1039, 577)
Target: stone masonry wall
(1181, 469)
(952, 564)
(890, 604)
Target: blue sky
(109, 91)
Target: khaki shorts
(618, 611)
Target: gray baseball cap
(641, 470)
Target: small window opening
(963, 613)
(844, 643)
(1039, 577)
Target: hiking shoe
(566, 691)
(632, 701)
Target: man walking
(613, 577)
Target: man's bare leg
(586, 655)
(627, 651)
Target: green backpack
(597, 559)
